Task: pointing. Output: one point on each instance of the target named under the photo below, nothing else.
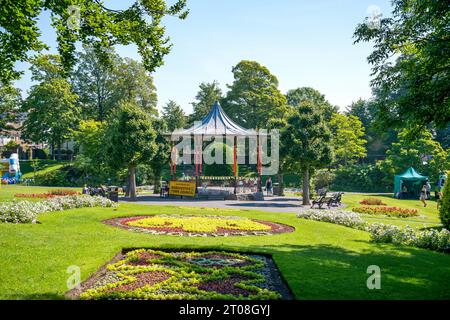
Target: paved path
(270, 204)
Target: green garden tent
(413, 182)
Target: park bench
(333, 200)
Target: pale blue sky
(302, 42)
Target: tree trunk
(157, 180)
(132, 184)
(305, 173)
(59, 151)
(281, 184)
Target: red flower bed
(388, 211)
(372, 202)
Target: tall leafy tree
(423, 153)
(379, 138)
(207, 95)
(295, 97)
(52, 113)
(10, 101)
(90, 22)
(95, 83)
(135, 84)
(347, 139)
(130, 141)
(161, 155)
(411, 59)
(173, 116)
(306, 140)
(254, 96)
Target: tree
(297, 96)
(306, 140)
(134, 83)
(95, 83)
(423, 153)
(379, 138)
(161, 155)
(89, 22)
(347, 139)
(91, 158)
(207, 95)
(410, 63)
(130, 141)
(173, 116)
(52, 113)
(10, 101)
(253, 97)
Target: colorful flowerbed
(372, 202)
(160, 275)
(388, 211)
(48, 195)
(199, 225)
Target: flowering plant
(388, 211)
(372, 202)
(26, 211)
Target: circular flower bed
(199, 225)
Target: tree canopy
(173, 115)
(306, 139)
(411, 59)
(254, 96)
(89, 22)
(207, 95)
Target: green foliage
(414, 88)
(101, 27)
(422, 153)
(363, 178)
(207, 95)
(297, 96)
(323, 179)
(52, 112)
(306, 139)
(444, 209)
(347, 139)
(254, 97)
(173, 115)
(379, 138)
(219, 170)
(96, 83)
(161, 154)
(135, 84)
(130, 140)
(10, 100)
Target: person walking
(269, 186)
(428, 186)
(423, 195)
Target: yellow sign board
(182, 188)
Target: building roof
(216, 123)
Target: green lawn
(7, 192)
(319, 260)
(428, 216)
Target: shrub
(388, 211)
(345, 218)
(26, 211)
(426, 239)
(444, 209)
(372, 202)
(362, 178)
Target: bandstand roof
(216, 123)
